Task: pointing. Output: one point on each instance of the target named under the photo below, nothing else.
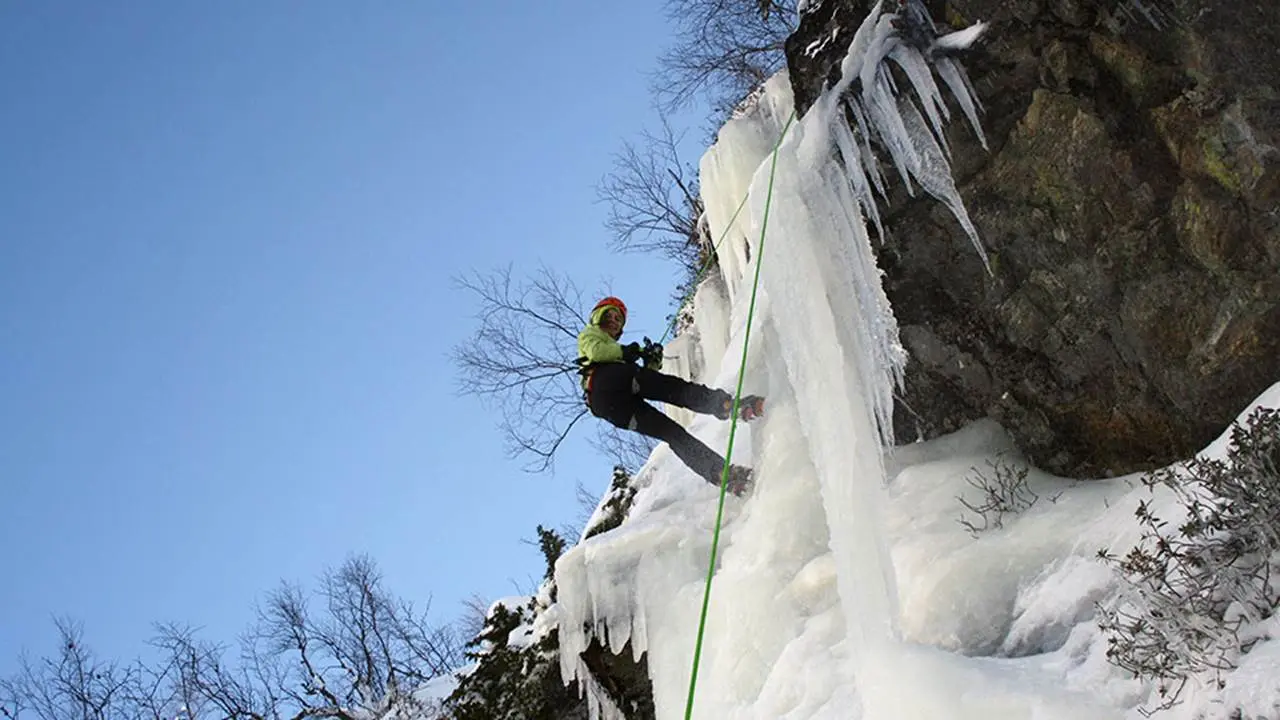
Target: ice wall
(835, 332)
(803, 617)
(844, 587)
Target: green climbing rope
(733, 426)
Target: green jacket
(594, 343)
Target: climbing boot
(739, 480)
(751, 407)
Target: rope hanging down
(737, 398)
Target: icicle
(960, 39)
(917, 69)
(934, 173)
(918, 149)
(878, 329)
(951, 73)
(882, 111)
(857, 174)
(882, 41)
(828, 106)
(851, 67)
(868, 154)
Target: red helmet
(611, 302)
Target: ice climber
(616, 390)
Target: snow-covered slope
(845, 586)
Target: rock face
(1130, 201)
(624, 680)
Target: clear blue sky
(227, 233)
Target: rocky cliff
(1129, 200)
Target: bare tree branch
(626, 449)
(724, 49)
(653, 199)
(77, 685)
(203, 681)
(475, 611)
(522, 359)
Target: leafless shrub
(1004, 491)
(1192, 594)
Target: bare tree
(384, 646)
(76, 685)
(653, 199)
(206, 684)
(475, 610)
(364, 655)
(522, 361)
(587, 500)
(724, 49)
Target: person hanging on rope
(616, 390)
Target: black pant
(618, 394)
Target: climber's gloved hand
(652, 354)
(631, 352)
